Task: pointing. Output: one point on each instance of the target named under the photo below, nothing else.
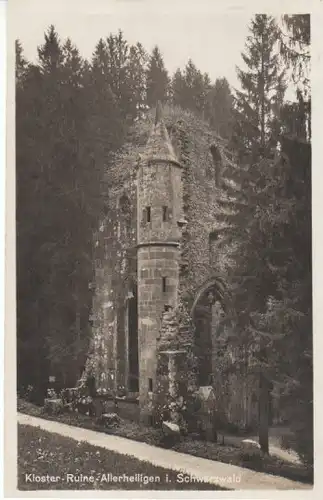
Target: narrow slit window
(164, 284)
(165, 214)
(146, 214)
(150, 385)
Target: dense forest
(72, 115)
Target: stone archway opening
(207, 312)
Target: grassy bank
(49, 461)
(220, 452)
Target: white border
(3, 71)
(315, 7)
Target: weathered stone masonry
(158, 235)
(154, 250)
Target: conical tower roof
(159, 146)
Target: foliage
(295, 39)
(220, 108)
(263, 87)
(157, 79)
(25, 406)
(43, 453)
(272, 284)
(190, 89)
(269, 218)
(53, 407)
(109, 419)
(51, 394)
(72, 115)
(21, 64)
(254, 457)
(52, 214)
(67, 125)
(224, 453)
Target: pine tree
(56, 191)
(21, 65)
(50, 54)
(124, 70)
(117, 56)
(295, 39)
(220, 108)
(268, 216)
(196, 88)
(137, 75)
(61, 69)
(29, 188)
(35, 214)
(105, 117)
(190, 89)
(295, 118)
(263, 87)
(157, 79)
(292, 313)
(260, 210)
(178, 89)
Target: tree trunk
(264, 413)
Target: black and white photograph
(163, 207)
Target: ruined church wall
(198, 260)
(200, 207)
(115, 276)
(204, 257)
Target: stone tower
(159, 209)
(159, 244)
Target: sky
(213, 39)
(212, 33)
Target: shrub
(109, 420)
(24, 406)
(253, 458)
(232, 428)
(53, 406)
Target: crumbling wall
(175, 367)
(115, 277)
(200, 256)
(116, 267)
(204, 254)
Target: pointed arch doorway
(207, 312)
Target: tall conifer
(262, 91)
(157, 79)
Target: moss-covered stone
(153, 250)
